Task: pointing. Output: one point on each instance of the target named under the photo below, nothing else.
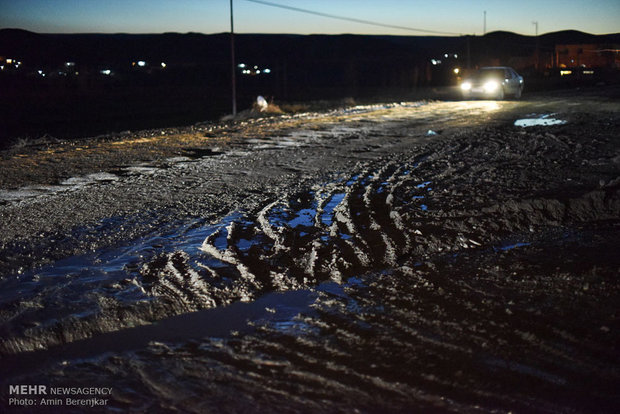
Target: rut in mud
(446, 197)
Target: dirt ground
(429, 256)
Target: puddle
(197, 153)
(140, 170)
(542, 120)
(424, 184)
(90, 179)
(304, 217)
(9, 196)
(70, 184)
(114, 175)
(277, 308)
(328, 209)
(510, 246)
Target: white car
(493, 82)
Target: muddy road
(424, 256)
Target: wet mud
(352, 262)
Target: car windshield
(489, 73)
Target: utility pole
(232, 61)
(537, 52)
(468, 37)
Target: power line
(350, 19)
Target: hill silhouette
(201, 48)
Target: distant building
(588, 56)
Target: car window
(486, 73)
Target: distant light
(40, 72)
(241, 65)
(445, 55)
(9, 61)
(456, 71)
(456, 56)
(466, 86)
(257, 72)
(1, 67)
(106, 72)
(69, 64)
(267, 70)
(163, 64)
(436, 61)
(588, 72)
(566, 72)
(255, 67)
(141, 63)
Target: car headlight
(466, 86)
(491, 86)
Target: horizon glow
(213, 16)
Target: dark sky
(213, 16)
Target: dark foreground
(428, 257)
